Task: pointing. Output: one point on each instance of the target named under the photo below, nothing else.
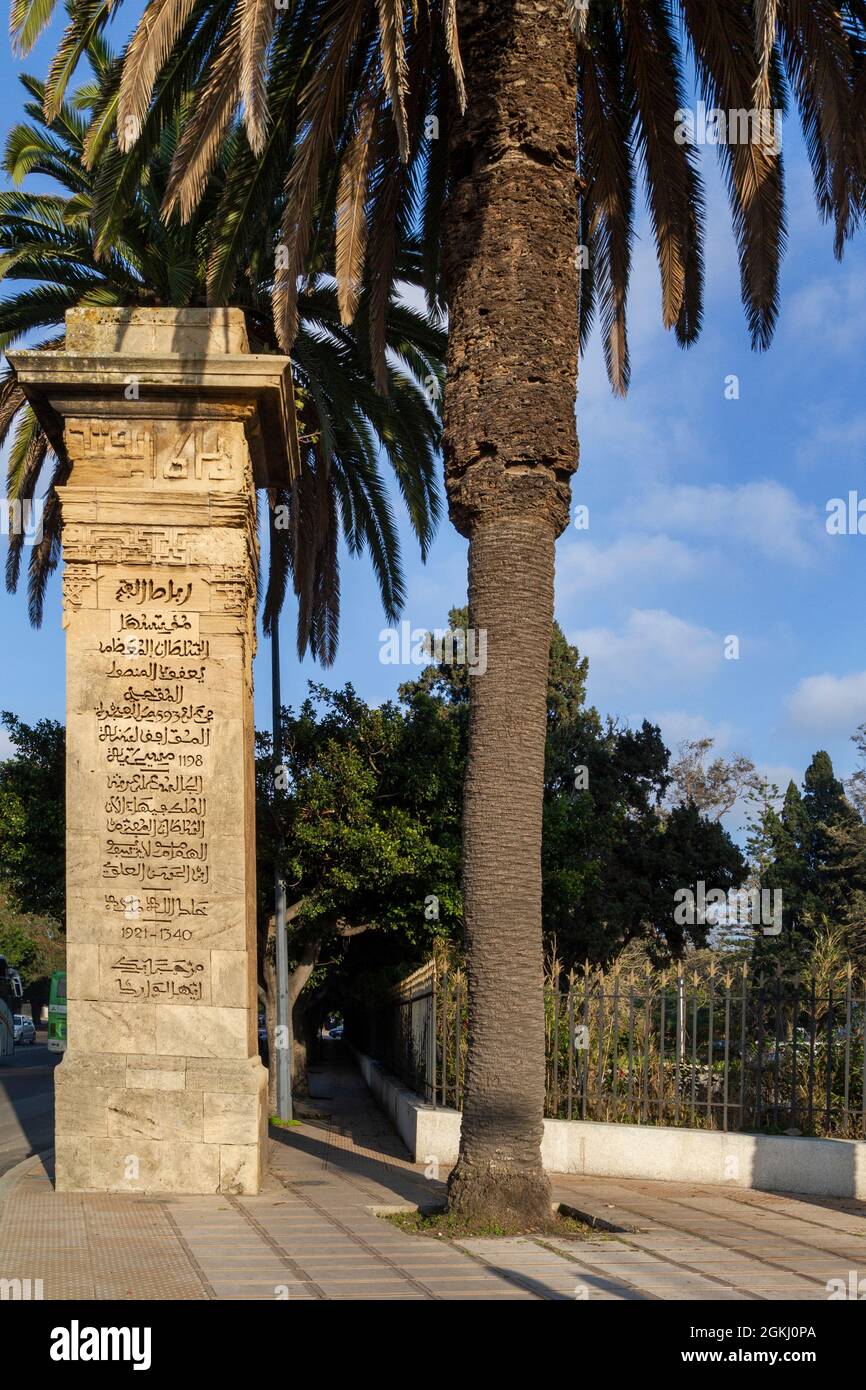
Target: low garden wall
(768, 1163)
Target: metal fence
(720, 1049)
(401, 1030)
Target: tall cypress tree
(817, 858)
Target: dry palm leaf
(351, 231)
(158, 30)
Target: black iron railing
(717, 1049)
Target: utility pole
(283, 1032)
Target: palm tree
(56, 241)
(539, 147)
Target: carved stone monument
(167, 423)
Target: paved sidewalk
(314, 1233)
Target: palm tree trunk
(510, 448)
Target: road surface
(26, 1102)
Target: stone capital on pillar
(166, 423)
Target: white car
(23, 1030)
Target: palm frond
(257, 29)
(320, 104)
(673, 185)
(765, 40)
(723, 47)
(45, 555)
(606, 170)
(452, 48)
(202, 138)
(819, 62)
(87, 17)
(27, 20)
(392, 39)
(351, 234)
(157, 31)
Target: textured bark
(268, 996)
(510, 448)
(300, 1049)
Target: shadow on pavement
(26, 1102)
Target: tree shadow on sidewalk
(343, 1131)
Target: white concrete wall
(769, 1163)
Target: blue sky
(707, 519)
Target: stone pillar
(161, 416)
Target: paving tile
(312, 1235)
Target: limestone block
(240, 1168)
(149, 1079)
(187, 332)
(224, 1075)
(168, 974)
(94, 1026)
(82, 971)
(72, 1163)
(157, 1114)
(145, 1165)
(80, 1108)
(183, 1030)
(89, 1069)
(228, 979)
(146, 1062)
(231, 1119)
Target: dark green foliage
(32, 817)
(814, 849)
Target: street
(26, 1102)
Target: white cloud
(762, 517)
(831, 311)
(654, 647)
(829, 703)
(678, 726)
(689, 531)
(584, 564)
(836, 448)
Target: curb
(597, 1223)
(14, 1175)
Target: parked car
(23, 1030)
(336, 1033)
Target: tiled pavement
(314, 1233)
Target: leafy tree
(714, 787)
(613, 857)
(32, 864)
(815, 848)
(35, 946)
(33, 817)
(857, 783)
(367, 825)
